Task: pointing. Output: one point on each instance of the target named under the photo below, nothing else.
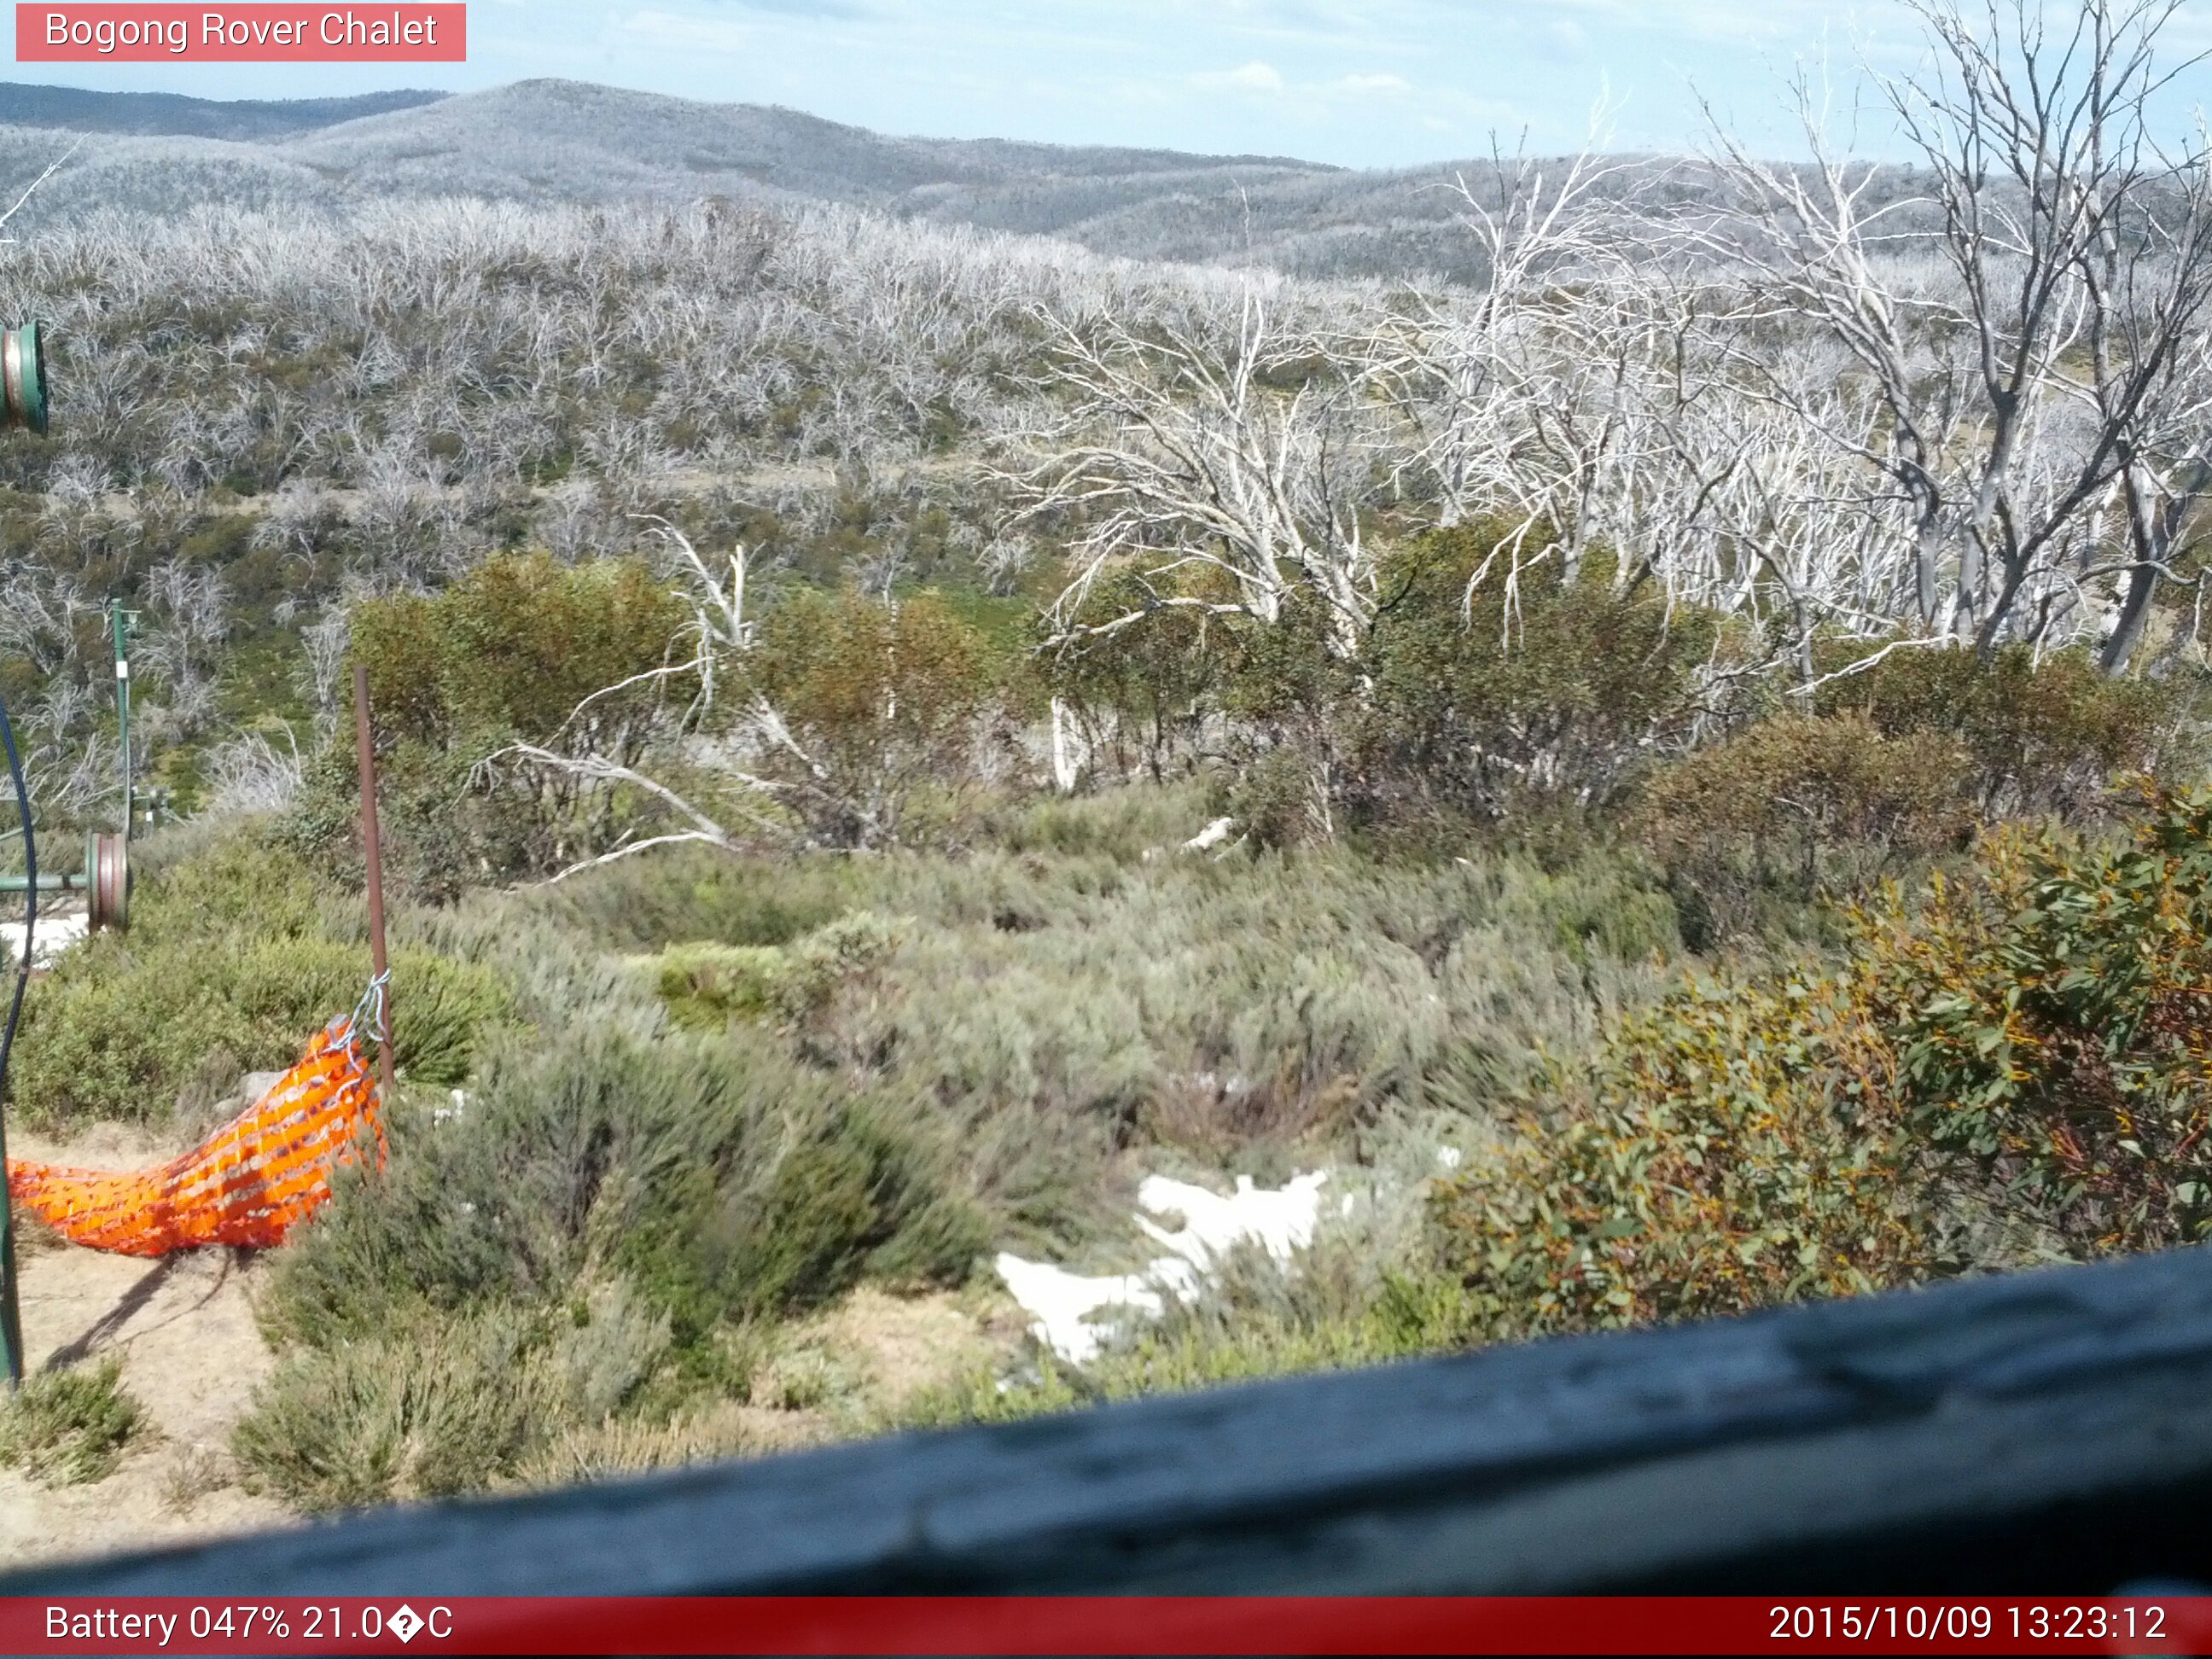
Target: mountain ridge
(169, 114)
(549, 140)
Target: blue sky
(1361, 82)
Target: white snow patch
(54, 934)
(1448, 1156)
(1212, 836)
(1060, 1303)
(1281, 1222)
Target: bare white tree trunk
(1067, 763)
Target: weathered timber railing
(2048, 1432)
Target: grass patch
(69, 1428)
(434, 1407)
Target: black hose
(11, 1328)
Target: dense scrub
(1553, 900)
(722, 1092)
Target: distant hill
(568, 138)
(153, 115)
(552, 140)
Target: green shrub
(1738, 1151)
(2040, 735)
(882, 701)
(2015, 1055)
(1140, 692)
(434, 1409)
(687, 895)
(2049, 1020)
(228, 954)
(513, 647)
(509, 653)
(845, 1198)
(1279, 800)
(1482, 705)
(721, 1178)
(708, 985)
(68, 1428)
(1801, 806)
(1124, 825)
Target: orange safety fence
(250, 1183)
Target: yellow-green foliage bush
(2029, 1039)
(2040, 736)
(1889, 767)
(708, 985)
(514, 647)
(507, 655)
(234, 958)
(1802, 804)
(881, 701)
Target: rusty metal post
(373, 846)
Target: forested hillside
(562, 140)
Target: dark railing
(2047, 1433)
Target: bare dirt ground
(184, 1329)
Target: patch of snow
(55, 934)
(1282, 1222)
(1448, 1156)
(1060, 1304)
(1212, 836)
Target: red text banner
(1106, 1624)
(259, 34)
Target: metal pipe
(373, 846)
(121, 623)
(23, 403)
(11, 1323)
(49, 883)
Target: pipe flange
(107, 881)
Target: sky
(1355, 82)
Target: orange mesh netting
(250, 1183)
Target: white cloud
(1255, 76)
(1384, 86)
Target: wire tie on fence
(374, 998)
